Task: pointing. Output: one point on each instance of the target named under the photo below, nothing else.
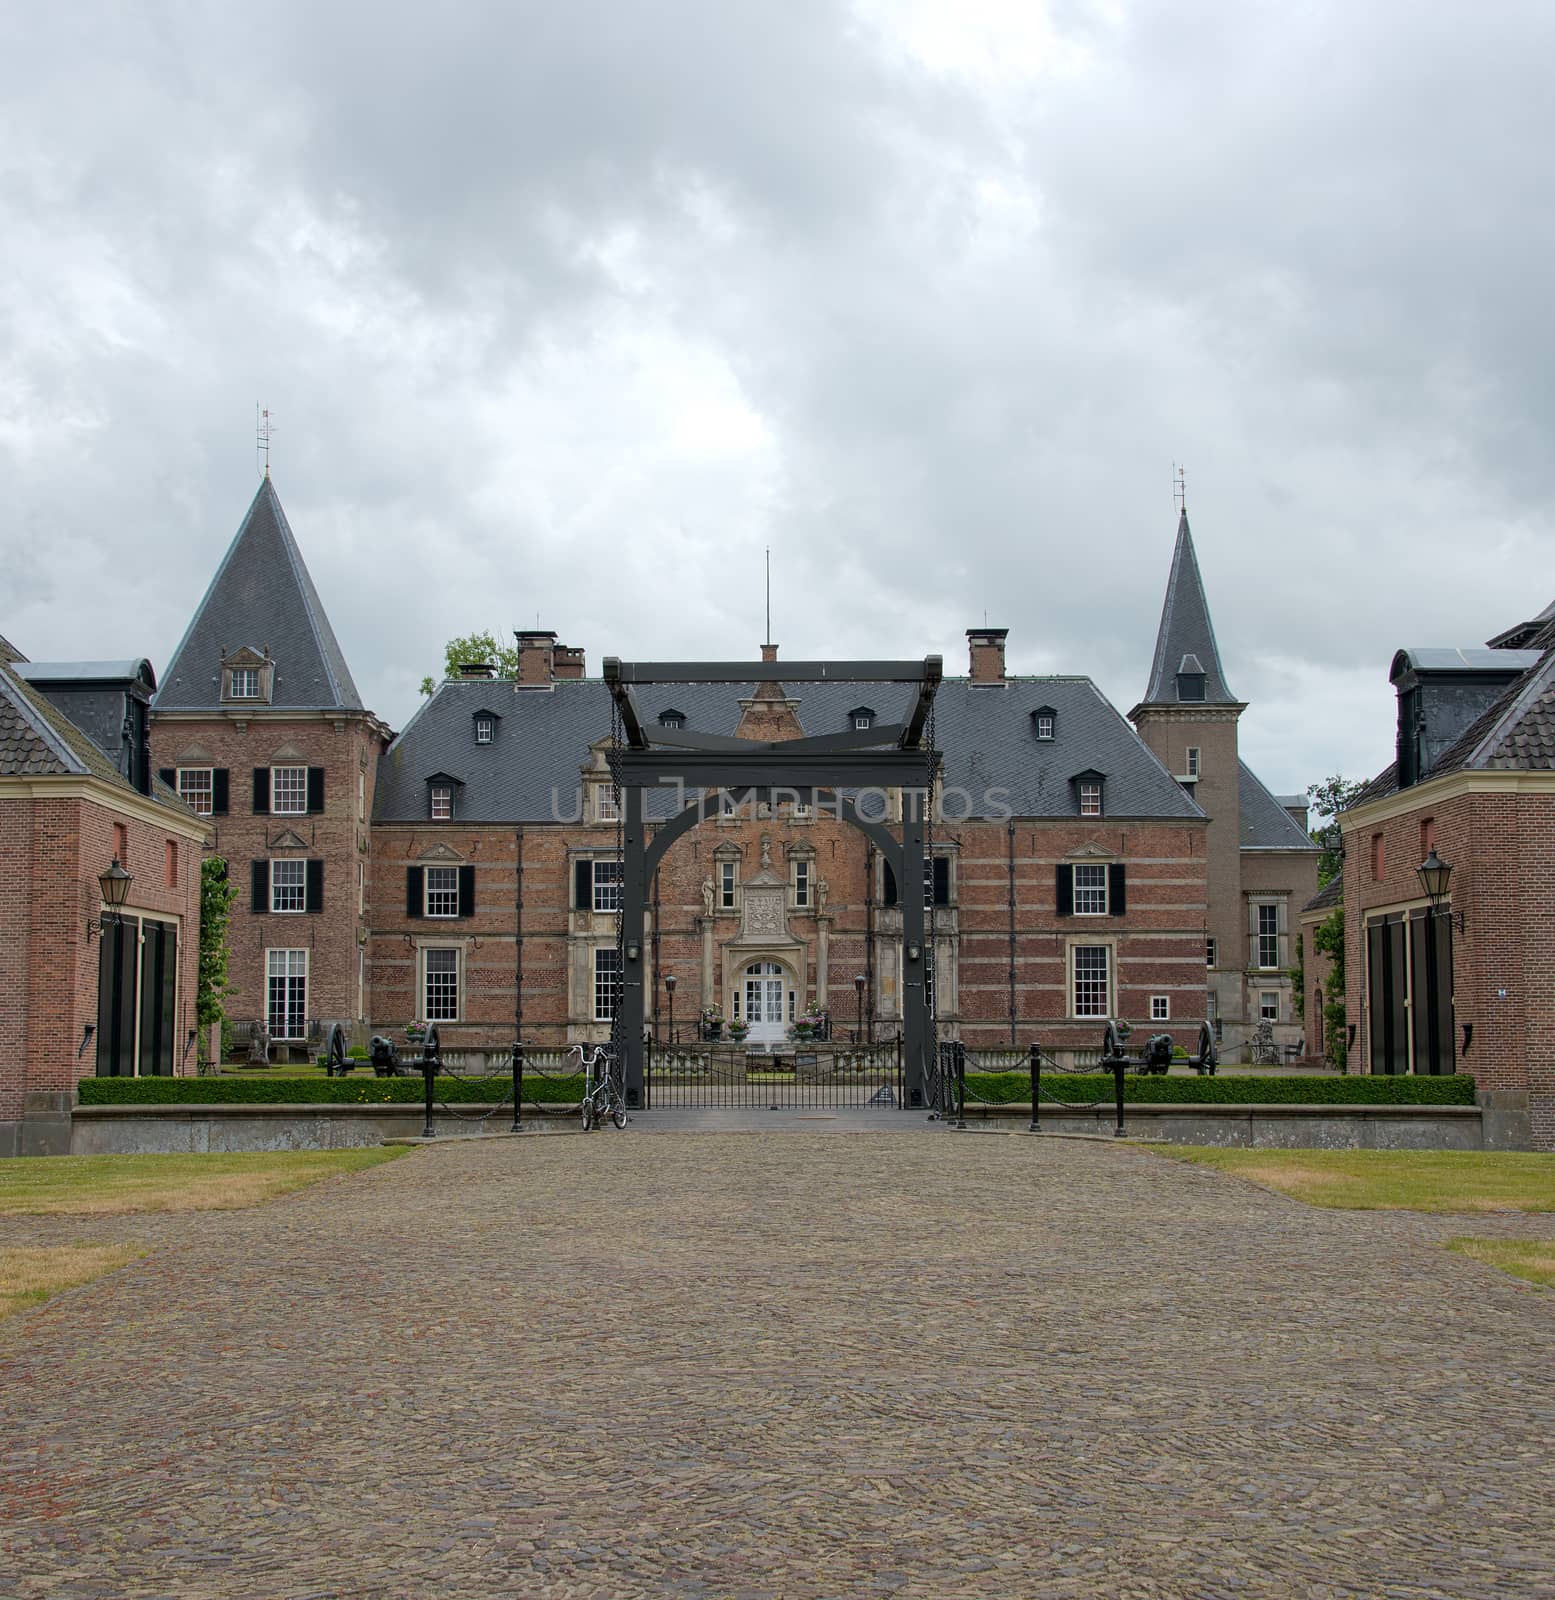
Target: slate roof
(8, 651)
(1514, 733)
(262, 596)
(983, 731)
(1186, 631)
(1266, 824)
(37, 739)
(1329, 896)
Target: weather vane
(1179, 487)
(262, 431)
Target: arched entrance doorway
(765, 1000)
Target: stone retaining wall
(125, 1130)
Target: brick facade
(1498, 832)
(56, 836)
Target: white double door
(765, 1002)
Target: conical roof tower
(1187, 665)
(262, 597)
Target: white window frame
(249, 677)
(1265, 942)
(1090, 798)
(361, 796)
(1268, 1005)
(615, 876)
(1193, 761)
(276, 775)
(1095, 892)
(863, 722)
(1160, 1008)
(442, 1008)
(192, 800)
(294, 972)
(445, 897)
(801, 880)
(606, 806)
(485, 730)
(608, 984)
(1108, 979)
(728, 885)
(296, 886)
(442, 796)
(1209, 953)
(1045, 726)
(361, 888)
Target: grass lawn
(1391, 1180)
(96, 1186)
(30, 1275)
(1533, 1259)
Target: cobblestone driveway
(913, 1364)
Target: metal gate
(816, 1076)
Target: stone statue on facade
(766, 852)
(707, 897)
(822, 889)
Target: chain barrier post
(1117, 1082)
(960, 1085)
(1036, 1088)
(518, 1087)
(429, 1065)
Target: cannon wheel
(335, 1056)
(1205, 1060)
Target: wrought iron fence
(808, 1075)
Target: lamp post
(670, 980)
(858, 989)
(115, 883)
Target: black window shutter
(466, 891)
(218, 791)
(261, 886)
(415, 895)
(1117, 889)
(583, 885)
(942, 880)
(315, 900)
(169, 776)
(315, 790)
(261, 791)
(888, 895)
(1065, 888)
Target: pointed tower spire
(1187, 660)
(261, 597)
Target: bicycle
(601, 1093)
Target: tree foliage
(213, 987)
(1329, 798)
(479, 646)
(1328, 940)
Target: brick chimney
(536, 659)
(477, 669)
(986, 646)
(567, 662)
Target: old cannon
(385, 1063)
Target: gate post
(634, 900)
(915, 1031)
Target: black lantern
(859, 984)
(670, 980)
(1434, 875)
(115, 883)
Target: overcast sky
(566, 311)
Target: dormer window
(243, 683)
(606, 808)
(861, 717)
(1044, 722)
(1190, 679)
(442, 802)
(672, 719)
(1088, 792)
(485, 730)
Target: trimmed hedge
(1007, 1088)
(365, 1090)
